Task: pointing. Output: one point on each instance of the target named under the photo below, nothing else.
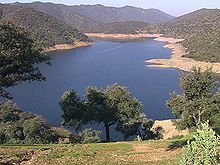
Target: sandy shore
(179, 62)
(121, 36)
(169, 128)
(68, 46)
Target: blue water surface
(99, 65)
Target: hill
(129, 27)
(201, 31)
(46, 27)
(64, 13)
(86, 17)
(147, 152)
(106, 14)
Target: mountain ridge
(87, 17)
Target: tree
(108, 106)
(20, 51)
(139, 126)
(23, 127)
(199, 102)
(204, 149)
(75, 112)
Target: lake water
(102, 64)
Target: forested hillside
(127, 13)
(66, 14)
(201, 31)
(130, 27)
(46, 27)
(87, 17)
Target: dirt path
(152, 152)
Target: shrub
(90, 136)
(19, 127)
(86, 136)
(204, 149)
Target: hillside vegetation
(87, 17)
(130, 27)
(46, 27)
(66, 14)
(201, 31)
(106, 14)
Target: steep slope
(64, 13)
(105, 14)
(201, 31)
(130, 27)
(46, 27)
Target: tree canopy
(20, 127)
(108, 106)
(20, 51)
(138, 126)
(199, 102)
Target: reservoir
(102, 64)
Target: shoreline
(68, 46)
(122, 36)
(177, 61)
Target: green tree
(108, 106)
(199, 102)
(23, 127)
(139, 126)
(20, 51)
(204, 149)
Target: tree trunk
(107, 132)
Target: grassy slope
(132, 153)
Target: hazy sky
(173, 7)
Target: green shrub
(86, 136)
(19, 127)
(204, 149)
(90, 136)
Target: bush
(90, 136)
(204, 149)
(2, 138)
(19, 127)
(87, 136)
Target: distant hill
(87, 17)
(129, 27)
(64, 13)
(201, 31)
(46, 27)
(105, 14)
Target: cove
(99, 65)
